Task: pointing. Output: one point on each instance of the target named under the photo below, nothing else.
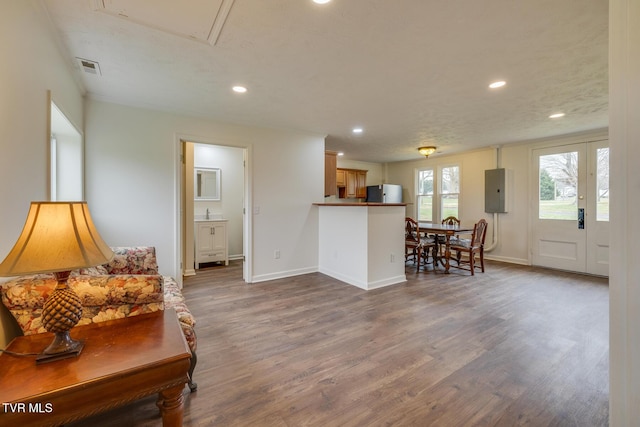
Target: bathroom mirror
(206, 184)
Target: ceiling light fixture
(239, 89)
(357, 130)
(340, 153)
(321, 1)
(427, 151)
(497, 84)
(556, 115)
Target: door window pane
(558, 186)
(602, 195)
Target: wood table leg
(171, 404)
(437, 259)
(447, 252)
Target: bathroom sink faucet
(207, 217)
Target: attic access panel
(200, 20)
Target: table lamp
(58, 237)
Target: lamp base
(62, 347)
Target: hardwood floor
(513, 346)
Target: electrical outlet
(276, 254)
(393, 258)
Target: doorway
(228, 204)
(571, 207)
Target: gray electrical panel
(495, 191)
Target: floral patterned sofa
(128, 285)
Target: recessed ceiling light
(321, 1)
(556, 115)
(239, 89)
(357, 130)
(498, 84)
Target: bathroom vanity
(211, 241)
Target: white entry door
(571, 207)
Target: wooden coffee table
(122, 360)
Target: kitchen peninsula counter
(362, 244)
(360, 204)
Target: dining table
(445, 231)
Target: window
(425, 195)
(438, 196)
(449, 191)
(66, 157)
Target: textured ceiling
(410, 72)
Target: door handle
(580, 218)
(213, 231)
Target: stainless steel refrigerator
(384, 193)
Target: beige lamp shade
(57, 236)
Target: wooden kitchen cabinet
(361, 184)
(341, 179)
(211, 242)
(330, 163)
(352, 183)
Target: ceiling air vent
(89, 67)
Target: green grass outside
(568, 210)
(549, 209)
(425, 209)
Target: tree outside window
(450, 191)
(558, 184)
(425, 195)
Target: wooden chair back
(411, 233)
(479, 234)
(472, 247)
(451, 220)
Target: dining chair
(412, 244)
(472, 247)
(415, 245)
(451, 221)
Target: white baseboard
(365, 285)
(283, 274)
(387, 282)
(519, 261)
(344, 278)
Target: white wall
(362, 245)
(624, 283)
(131, 173)
(24, 38)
